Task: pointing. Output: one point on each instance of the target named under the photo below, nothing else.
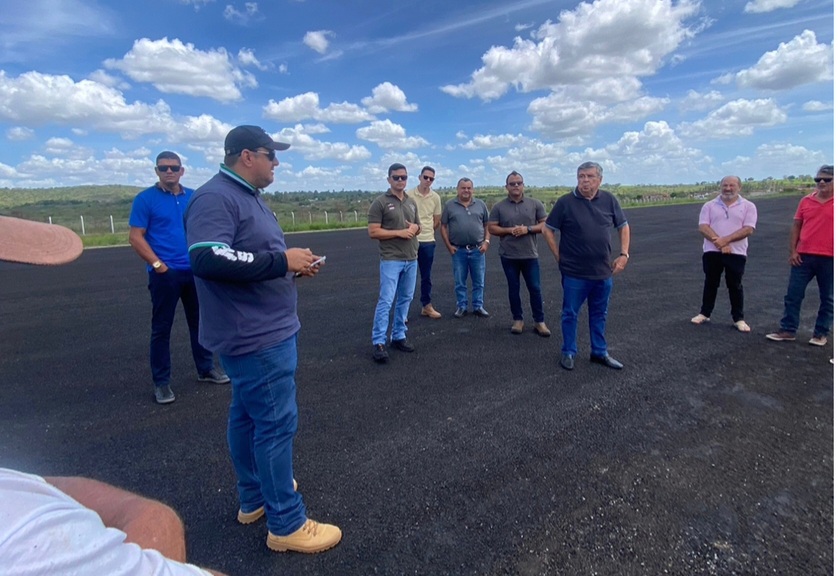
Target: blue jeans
(426, 262)
(166, 290)
(465, 262)
(811, 266)
(398, 282)
(260, 433)
(576, 291)
(529, 268)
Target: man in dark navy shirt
(584, 220)
(245, 277)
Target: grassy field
(100, 213)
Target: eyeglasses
(515, 184)
(399, 178)
(819, 180)
(271, 155)
(428, 178)
(169, 168)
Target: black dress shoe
(567, 362)
(481, 312)
(606, 361)
(402, 345)
(460, 313)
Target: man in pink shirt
(811, 252)
(726, 222)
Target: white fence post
(327, 217)
(293, 220)
(112, 230)
(82, 225)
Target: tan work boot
(311, 538)
(517, 327)
(430, 312)
(251, 517)
(542, 329)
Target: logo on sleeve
(232, 255)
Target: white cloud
(106, 79)
(817, 106)
(302, 142)
(248, 58)
(801, 61)
(283, 68)
(736, 118)
(778, 159)
(387, 96)
(488, 141)
(36, 99)
(198, 4)
(318, 40)
(250, 13)
(387, 134)
(19, 133)
(760, 6)
(177, 68)
(701, 101)
(628, 38)
(305, 106)
(522, 27)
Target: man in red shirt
(811, 255)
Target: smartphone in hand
(315, 264)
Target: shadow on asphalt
(711, 453)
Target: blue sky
(658, 92)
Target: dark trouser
(811, 266)
(529, 268)
(166, 289)
(425, 259)
(733, 266)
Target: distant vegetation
(106, 208)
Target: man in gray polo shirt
(393, 220)
(518, 221)
(465, 222)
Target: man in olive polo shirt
(393, 220)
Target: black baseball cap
(250, 138)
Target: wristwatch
(529, 229)
(156, 264)
(624, 254)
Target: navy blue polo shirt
(585, 227)
(160, 214)
(240, 317)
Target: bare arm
(136, 238)
(376, 232)
(620, 262)
(443, 231)
(147, 523)
(437, 221)
(794, 256)
(552, 243)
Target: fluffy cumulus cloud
(698, 101)
(628, 38)
(800, 61)
(760, 6)
(36, 99)
(243, 17)
(387, 96)
(318, 40)
(490, 142)
(777, 159)
(817, 106)
(302, 142)
(307, 106)
(387, 134)
(248, 58)
(19, 133)
(177, 68)
(737, 118)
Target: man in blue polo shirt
(584, 220)
(245, 276)
(157, 235)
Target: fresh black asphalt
(710, 453)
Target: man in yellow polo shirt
(430, 212)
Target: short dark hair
(513, 173)
(588, 166)
(231, 160)
(428, 169)
(394, 167)
(168, 155)
(827, 169)
(464, 179)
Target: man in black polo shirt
(584, 220)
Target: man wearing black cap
(245, 278)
